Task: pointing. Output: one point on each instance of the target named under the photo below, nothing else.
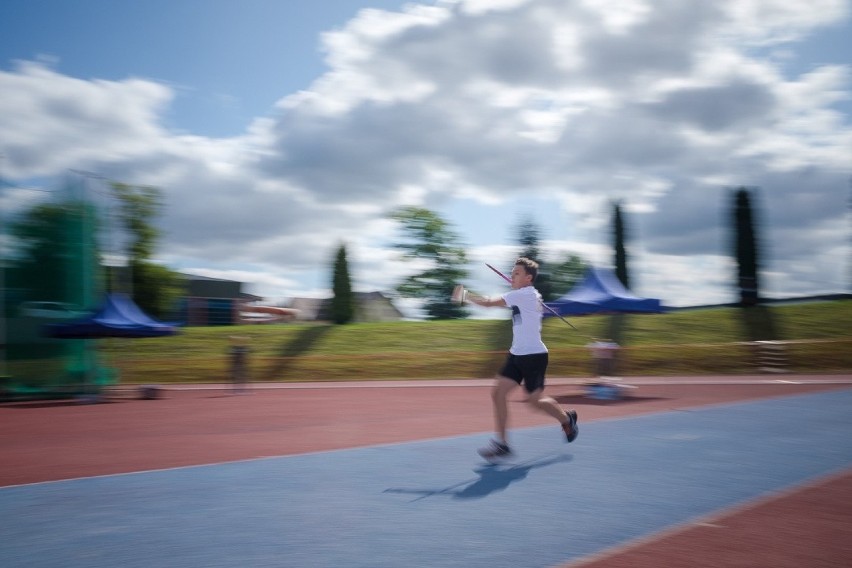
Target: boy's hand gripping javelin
(551, 310)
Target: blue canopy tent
(118, 316)
(601, 292)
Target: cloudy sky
(279, 129)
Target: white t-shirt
(526, 321)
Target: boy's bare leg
(499, 395)
(547, 405)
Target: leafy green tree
(343, 300)
(554, 278)
(566, 273)
(138, 206)
(54, 251)
(154, 287)
(745, 249)
(430, 238)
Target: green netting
(51, 273)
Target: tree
(529, 238)
(528, 234)
(745, 249)
(343, 301)
(55, 254)
(619, 235)
(554, 278)
(617, 322)
(430, 239)
(565, 274)
(759, 324)
(154, 287)
(138, 206)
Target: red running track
(46, 441)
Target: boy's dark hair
(530, 266)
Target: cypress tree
(619, 231)
(618, 321)
(745, 249)
(343, 300)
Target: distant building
(310, 309)
(375, 306)
(216, 301)
(213, 301)
(369, 307)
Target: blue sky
(279, 129)
(230, 61)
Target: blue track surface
(432, 503)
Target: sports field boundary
(827, 379)
(714, 519)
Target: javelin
(554, 312)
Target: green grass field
(709, 341)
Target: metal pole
(2, 278)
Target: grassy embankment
(709, 341)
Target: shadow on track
(490, 479)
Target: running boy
(526, 362)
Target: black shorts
(528, 370)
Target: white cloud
(663, 104)
(778, 21)
(51, 121)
